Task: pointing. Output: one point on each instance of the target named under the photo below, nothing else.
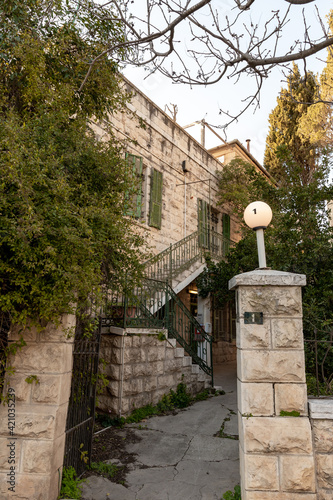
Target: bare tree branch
(196, 43)
(299, 2)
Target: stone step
(202, 375)
(195, 368)
(208, 384)
(179, 352)
(171, 343)
(187, 361)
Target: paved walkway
(181, 457)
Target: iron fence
(319, 362)
(81, 407)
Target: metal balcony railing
(179, 256)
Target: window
(134, 200)
(155, 205)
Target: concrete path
(182, 457)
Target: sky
(199, 102)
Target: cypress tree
(292, 104)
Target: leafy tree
(317, 124)
(292, 105)
(62, 190)
(299, 240)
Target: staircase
(155, 304)
(177, 261)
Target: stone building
(176, 208)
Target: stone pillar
(32, 426)
(276, 452)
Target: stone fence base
(321, 417)
(223, 352)
(141, 366)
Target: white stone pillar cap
(321, 409)
(262, 277)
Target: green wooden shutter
(226, 233)
(155, 208)
(134, 200)
(203, 223)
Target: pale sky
(204, 102)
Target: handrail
(191, 336)
(179, 256)
(155, 305)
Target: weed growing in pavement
(109, 470)
(70, 484)
(235, 495)
(141, 413)
(221, 433)
(180, 398)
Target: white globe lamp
(257, 216)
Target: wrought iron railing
(81, 406)
(155, 305)
(319, 361)
(181, 255)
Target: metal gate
(81, 408)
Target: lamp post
(257, 216)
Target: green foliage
(31, 379)
(293, 413)
(247, 415)
(83, 454)
(235, 495)
(319, 388)
(62, 190)
(299, 239)
(292, 105)
(70, 484)
(141, 413)
(106, 470)
(7, 351)
(317, 124)
(174, 399)
(202, 396)
(239, 183)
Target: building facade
(176, 207)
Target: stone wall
(276, 449)
(32, 426)
(164, 145)
(223, 352)
(321, 415)
(141, 368)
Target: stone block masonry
(141, 367)
(321, 415)
(276, 449)
(32, 426)
(223, 352)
